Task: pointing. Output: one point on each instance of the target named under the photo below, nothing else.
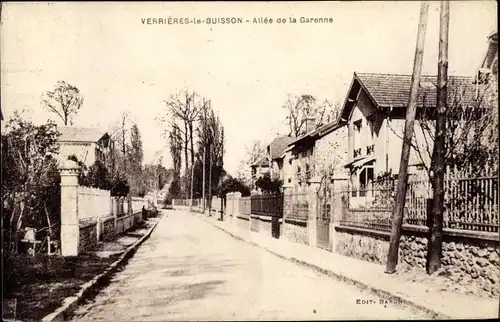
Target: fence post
(70, 226)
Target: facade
(87, 144)
(317, 155)
(375, 110)
(259, 168)
(274, 150)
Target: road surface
(191, 270)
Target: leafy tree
(64, 101)
(269, 185)
(30, 177)
(233, 185)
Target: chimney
(310, 124)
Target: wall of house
(84, 151)
(386, 136)
(331, 151)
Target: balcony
(370, 149)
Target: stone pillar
(312, 201)
(70, 227)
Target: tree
(30, 179)
(233, 185)
(254, 153)
(185, 108)
(269, 185)
(136, 156)
(304, 109)
(64, 101)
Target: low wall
(242, 221)
(88, 236)
(126, 222)
(255, 223)
(107, 228)
(469, 258)
(295, 231)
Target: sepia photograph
(249, 161)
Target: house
(375, 110)
(319, 154)
(489, 65)
(87, 144)
(274, 150)
(259, 168)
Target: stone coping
(265, 218)
(297, 222)
(448, 232)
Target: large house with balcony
(87, 144)
(375, 110)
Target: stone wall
(265, 226)
(242, 221)
(466, 261)
(254, 223)
(88, 236)
(362, 244)
(108, 228)
(295, 231)
(469, 259)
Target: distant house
(259, 168)
(375, 110)
(319, 154)
(274, 151)
(87, 144)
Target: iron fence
(267, 205)
(296, 206)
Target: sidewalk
(370, 276)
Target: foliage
(64, 101)
(268, 185)
(30, 179)
(305, 108)
(233, 185)
(120, 187)
(254, 153)
(174, 189)
(471, 124)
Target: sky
(247, 70)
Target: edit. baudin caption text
(233, 20)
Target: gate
(323, 215)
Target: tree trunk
(397, 214)
(434, 248)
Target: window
(289, 180)
(357, 125)
(365, 178)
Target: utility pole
(434, 247)
(210, 168)
(397, 214)
(204, 151)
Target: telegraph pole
(397, 214)
(204, 151)
(210, 169)
(434, 247)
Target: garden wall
(295, 231)
(468, 257)
(88, 236)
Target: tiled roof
(391, 90)
(279, 145)
(79, 134)
(263, 162)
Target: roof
(279, 145)
(319, 132)
(79, 134)
(263, 162)
(393, 90)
